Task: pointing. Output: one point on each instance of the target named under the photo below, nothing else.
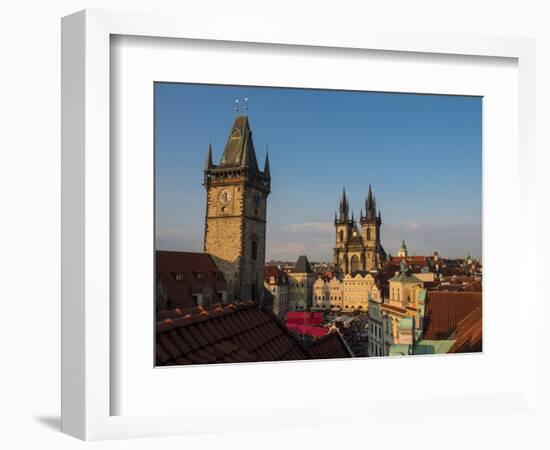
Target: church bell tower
(236, 213)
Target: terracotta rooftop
(277, 274)
(468, 333)
(241, 332)
(444, 311)
(330, 346)
(188, 273)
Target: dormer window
(179, 276)
(199, 275)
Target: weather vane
(237, 106)
(245, 105)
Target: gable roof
(444, 311)
(405, 277)
(189, 265)
(332, 345)
(241, 332)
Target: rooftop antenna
(245, 105)
(236, 106)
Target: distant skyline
(421, 153)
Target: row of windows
(180, 276)
(375, 350)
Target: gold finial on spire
(236, 106)
(245, 105)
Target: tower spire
(267, 171)
(370, 205)
(208, 163)
(344, 206)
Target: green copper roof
(405, 278)
(429, 347)
(400, 350)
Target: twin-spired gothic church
(236, 212)
(357, 249)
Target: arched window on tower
(354, 263)
(341, 235)
(368, 234)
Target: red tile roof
(197, 271)
(468, 333)
(475, 286)
(410, 259)
(332, 345)
(444, 310)
(273, 271)
(234, 333)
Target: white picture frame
(87, 328)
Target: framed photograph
(260, 227)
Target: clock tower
(236, 213)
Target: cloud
(308, 227)
(178, 238)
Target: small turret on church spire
(267, 171)
(208, 163)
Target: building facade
(358, 248)
(301, 279)
(276, 282)
(405, 301)
(236, 213)
(187, 279)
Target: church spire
(239, 150)
(344, 206)
(370, 205)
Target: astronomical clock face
(224, 197)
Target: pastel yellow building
(357, 289)
(350, 293)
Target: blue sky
(422, 154)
